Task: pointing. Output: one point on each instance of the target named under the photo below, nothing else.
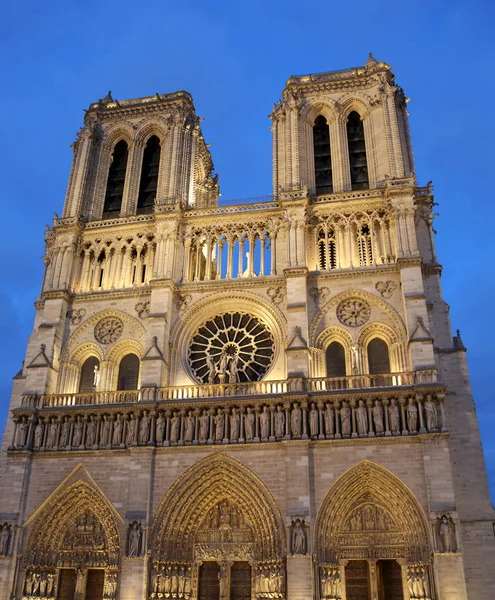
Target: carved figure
(190, 424)
(378, 417)
(22, 431)
(96, 377)
(204, 422)
(64, 437)
(412, 415)
(38, 434)
(447, 534)
(212, 369)
(298, 537)
(249, 424)
(233, 369)
(91, 432)
(43, 584)
(313, 421)
(105, 431)
(219, 425)
(279, 423)
(4, 540)
(36, 583)
(431, 415)
(175, 428)
(51, 440)
(144, 428)
(329, 420)
(223, 581)
(134, 540)
(356, 521)
(160, 428)
(78, 431)
(222, 367)
(362, 418)
(235, 423)
(131, 430)
(28, 584)
(265, 423)
(345, 417)
(394, 416)
(355, 359)
(295, 420)
(50, 584)
(117, 431)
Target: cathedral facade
(247, 402)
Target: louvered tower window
(149, 175)
(335, 359)
(378, 359)
(128, 373)
(86, 381)
(365, 246)
(357, 152)
(323, 161)
(116, 180)
(327, 250)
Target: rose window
(353, 312)
(108, 331)
(231, 348)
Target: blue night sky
(234, 57)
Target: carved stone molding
(386, 288)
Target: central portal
(358, 581)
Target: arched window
(128, 373)
(149, 175)
(335, 357)
(116, 180)
(357, 152)
(378, 359)
(323, 161)
(327, 250)
(365, 247)
(87, 379)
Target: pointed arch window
(327, 250)
(128, 373)
(87, 379)
(322, 156)
(335, 359)
(365, 245)
(357, 152)
(378, 357)
(149, 175)
(116, 180)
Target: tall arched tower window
(365, 246)
(128, 373)
(357, 152)
(116, 180)
(149, 175)
(323, 160)
(327, 250)
(378, 358)
(335, 359)
(87, 379)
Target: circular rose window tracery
(353, 312)
(108, 330)
(230, 348)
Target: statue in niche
(298, 537)
(134, 540)
(345, 417)
(175, 427)
(223, 581)
(144, 428)
(204, 422)
(249, 424)
(190, 424)
(51, 440)
(279, 423)
(5, 540)
(412, 415)
(378, 418)
(295, 421)
(329, 420)
(313, 421)
(166, 582)
(219, 425)
(50, 584)
(36, 583)
(91, 432)
(22, 431)
(43, 584)
(160, 428)
(235, 424)
(446, 534)
(222, 367)
(431, 414)
(330, 582)
(110, 586)
(355, 359)
(64, 436)
(394, 416)
(265, 423)
(362, 418)
(212, 369)
(417, 582)
(96, 377)
(28, 584)
(38, 434)
(80, 590)
(78, 432)
(117, 431)
(105, 431)
(233, 369)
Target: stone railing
(234, 390)
(264, 420)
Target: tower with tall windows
(246, 402)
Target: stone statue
(51, 440)
(134, 539)
(313, 421)
(105, 431)
(5, 540)
(36, 583)
(362, 418)
(91, 432)
(96, 377)
(144, 428)
(64, 438)
(50, 585)
(175, 428)
(212, 369)
(446, 533)
(22, 431)
(431, 414)
(222, 367)
(204, 423)
(38, 434)
(28, 584)
(131, 430)
(378, 418)
(298, 537)
(412, 415)
(265, 423)
(345, 417)
(110, 586)
(223, 581)
(355, 359)
(329, 420)
(235, 424)
(233, 373)
(78, 432)
(394, 416)
(160, 428)
(249, 424)
(190, 425)
(279, 423)
(219, 425)
(43, 584)
(117, 431)
(295, 421)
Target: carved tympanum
(353, 312)
(108, 330)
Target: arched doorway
(372, 539)
(218, 534)
(73, 548)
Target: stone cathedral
(249, 402)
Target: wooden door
(240, 581)
(357, 580)
(94, 585)
(67, 584)
(209, 586)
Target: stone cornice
(111, 295)
(231, 284)
(356, 273)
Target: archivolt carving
(322, 106)
(214, 483)
(149, 128)
(334, 334)
(368, 509)
(84, 351)
(117, 132)
(75, 528)
(350, 102)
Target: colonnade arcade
(218, 533)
